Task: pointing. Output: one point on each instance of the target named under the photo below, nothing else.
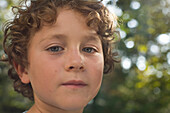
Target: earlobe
(22, 73)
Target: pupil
(88, 49)
(54, 48)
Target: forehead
(70, 17)
(70, 20)
(69, 23)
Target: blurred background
(140, 83)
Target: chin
(74, 105)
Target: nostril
(81, 67)
(71, 67)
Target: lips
(74, 84)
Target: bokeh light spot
(159, 74)
(122, 33)
(3, 4)
(168, 55)
(150, 70)
(141, 63)
(163, 39)
(135, 5)
(154, 49)
(126, 16)
(132, 23)
(130, 44)
(168, 61)
(126, 63)
(115, 10)
(156, 90)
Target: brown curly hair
(28, 20)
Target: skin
(67, 50)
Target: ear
(22, 73)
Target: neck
(41, 106)
(38, 109)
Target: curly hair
(28, 20)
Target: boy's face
(65, 63)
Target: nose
(74, 62)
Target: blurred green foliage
(143, 86)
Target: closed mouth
(74, 84)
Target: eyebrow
(91, 37)
(55, 36)
(86, 38)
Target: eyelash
(59, 48)
(53, 49)
(87, 48)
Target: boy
(59, 50)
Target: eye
(89, 50)
(55, 49)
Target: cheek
(43, 71)
(97, 75)
(96, 72)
